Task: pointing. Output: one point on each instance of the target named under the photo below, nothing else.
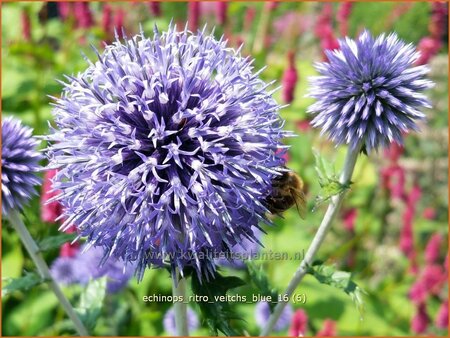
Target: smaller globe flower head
(20, 163)
(262, 315)
(117, 272)
(66, 270)
(369, 92)
(166, 148)
(169, 321)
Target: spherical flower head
(118, 273)
(65, 271)
(166, 149)
(262, 314)
(369, 92)
(169, 321)
(20, 163)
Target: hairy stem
(180, 307)
(44, 272)
(332, 211)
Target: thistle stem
(332, 211)
(180, 307)
(44, 271)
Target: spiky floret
(369, 92)
(166, 147)
(20, 163)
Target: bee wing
(300, 202)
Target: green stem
(44, 271)
(180, 307)
(332, 211)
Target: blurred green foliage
(29, 70)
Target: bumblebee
(288, 190)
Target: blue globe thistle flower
(169, 321)
(369, 91)
(20, 163)
(118, 273)
(166, 149)
(262, 315)
(66, 271)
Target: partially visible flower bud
(20, 164)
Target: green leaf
(328, 180)
(54, 242)
(24, 283)
(261, 282)
(328, 275)
(217, 314)
(91, 302)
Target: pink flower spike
(418, 293)
(328, 329)
(221, 12)
(421, 320)
(394, 151)
(299, 324)
(289, 80)
(50, 211)
(442, 316)
(107, 19)
(64, 9)
(432, 249)
(119, 20)
(155, 8)
(83, 15)
(429, 213)
(349, 219)
(26, 25)
(193, 15)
